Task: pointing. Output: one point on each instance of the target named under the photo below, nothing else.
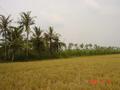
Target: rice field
(81, 73)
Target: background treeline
(23, 40)
(88, 50)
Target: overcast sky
(78, 21)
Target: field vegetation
(82, 73)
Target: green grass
(62, 74)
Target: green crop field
(82, 73)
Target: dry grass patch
(62, 74)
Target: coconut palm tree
(90, 46)
(76, 46)
(96, 46)
(37, 39)
(26, 22)
(82, 46)
(15, 40)
(86, 46)
(51, 35)
(70, 46)
(4, 28)
(57, 45)
(46, 41)
(49, 39)
(62, 46)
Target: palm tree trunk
(13, 55)
(50, 46)
(8, 52)
(27, 51)
(5, 47)
(5, 52)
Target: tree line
(24, 41)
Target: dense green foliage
(24, 41)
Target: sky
(78, 21)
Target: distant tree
(87, 46)
(38, 40)
(4, 28)
(70, 45)
(63, 46)
(26, 21)
(96, 46)
(15, 40)
(90, 46)
(82, 46)
(46, 40)
(49, 39)
(76, 46)
(57, 44)
(51, 36)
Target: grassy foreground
(83, 73)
